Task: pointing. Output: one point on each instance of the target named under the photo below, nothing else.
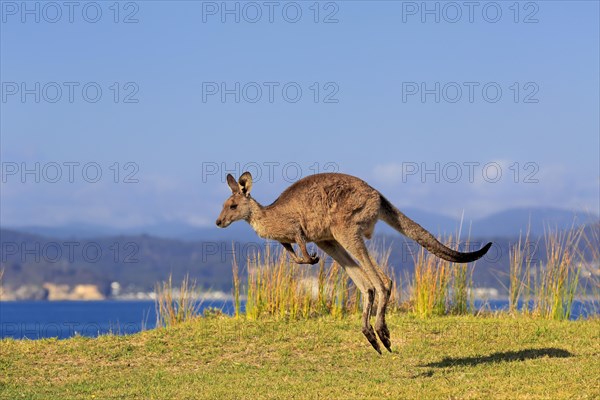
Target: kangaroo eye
(233, 206)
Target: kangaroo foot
(370, 334)
(384, 335)
(311, 259)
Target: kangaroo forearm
(306, 257)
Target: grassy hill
(228, 358)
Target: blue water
(64, 319)
(579, 310)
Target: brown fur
(336, 212)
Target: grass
(548, 290)
(276, 287)
(559, 280)
(430, 289)
(591, 269)
(221, 357)
(440, 287)
(520, 285)
(177, 305)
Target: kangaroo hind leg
(383, 285)
(362, 282)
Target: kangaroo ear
(245, 183)
(233, 185)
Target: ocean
(64, 319)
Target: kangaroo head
(238, 205)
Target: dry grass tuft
(177, 305)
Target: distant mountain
(240, 231)
(70, 231)
(168, 230)
(508, 223)
(136, 262)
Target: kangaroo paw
(370, 334)
(385, 340)
(384, 335)
(310, 260)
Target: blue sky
(361, 109)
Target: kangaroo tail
(400, 222)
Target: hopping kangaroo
(336, 212)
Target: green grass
(554, 284)
(231, 358)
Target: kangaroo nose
(218, 222)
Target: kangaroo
(336, 212)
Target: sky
(131, 114)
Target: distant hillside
(507, 223)
(138, 262)
(170, 230)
